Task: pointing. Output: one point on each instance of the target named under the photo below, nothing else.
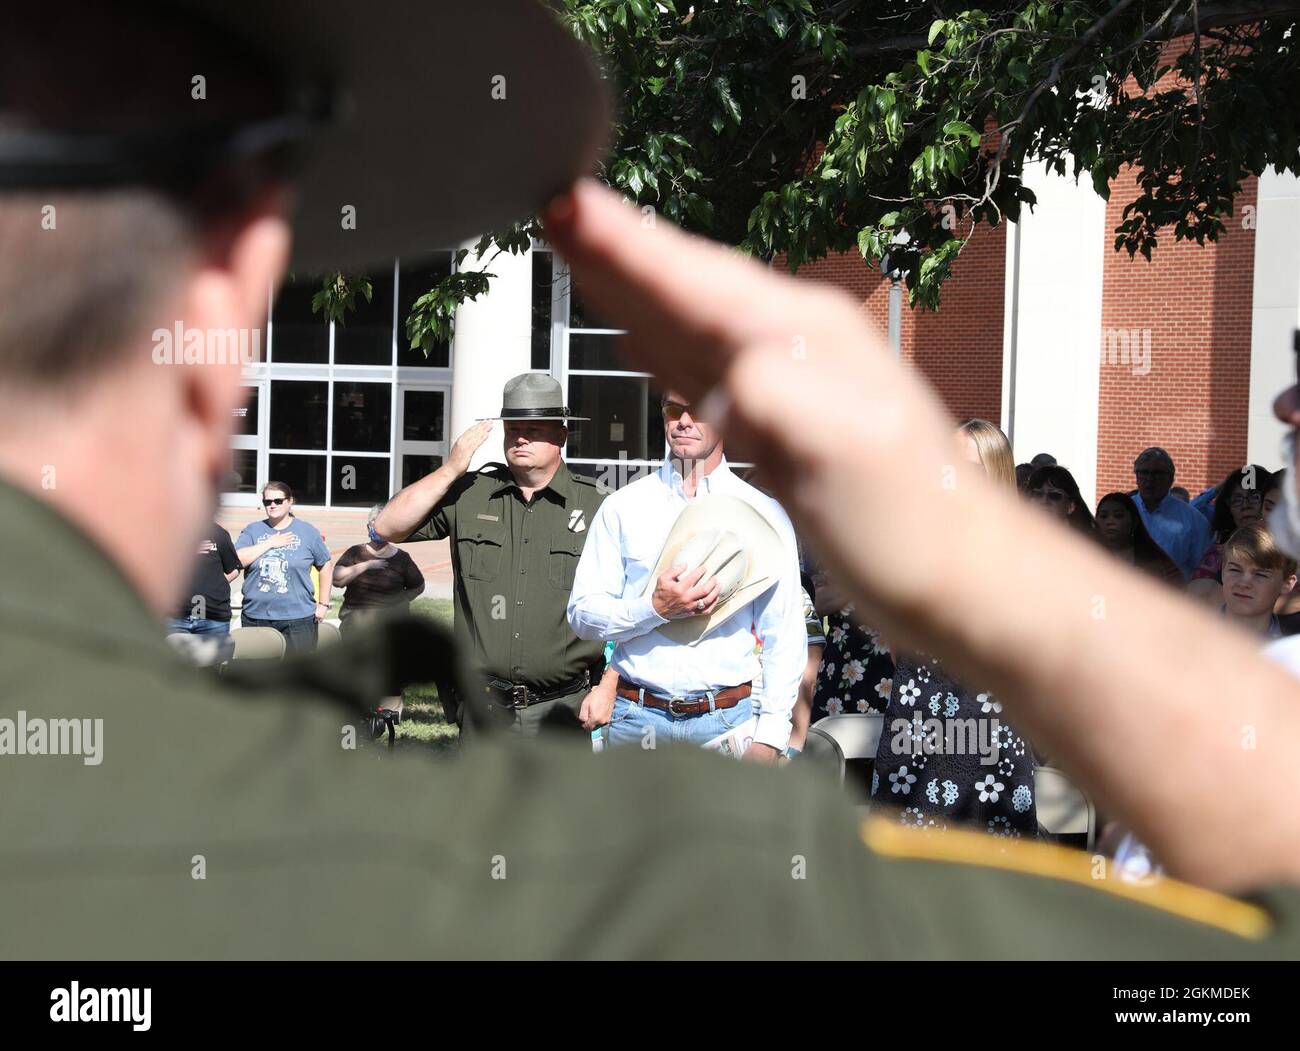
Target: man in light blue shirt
(668, 690)
(1181, 531)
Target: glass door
(248, 427)
(422, 444)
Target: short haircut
(86, 272)
(1255, 544)
(1156, 453)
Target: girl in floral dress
(946, 755)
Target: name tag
(488, 518)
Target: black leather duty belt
(517, 696)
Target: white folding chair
(258, 644)
(857, 735)
(821, 748)
(1063, 809)
(327, 634)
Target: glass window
(246, 415)
(366, 335)
(542, 280)
(582, 316)
(415, 467)
(362, 415)
(298, 335)
(305, 475)
(422, 416)
(625, 418)
(298, 414)
(596, 352)
(359, 481)
(417, 278)
(243, 471)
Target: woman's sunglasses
(275, 501)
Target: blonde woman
(947, 755)
(985, 444)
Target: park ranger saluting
(221, 818)
(517, 530)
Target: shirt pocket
(480, 549)
(565, 552)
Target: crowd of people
(580, 646)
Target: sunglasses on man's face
(674, 410)
(275, 501)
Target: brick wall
(959, 347)
(1195, 302)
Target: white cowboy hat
(736, 543)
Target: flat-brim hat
(736, 543)
(534, 396)
(442, 121)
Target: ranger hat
(408, 126)
(534, 396)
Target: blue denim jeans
(298, 634)
(632, 723)
(198, 626)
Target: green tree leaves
(812, 126)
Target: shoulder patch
(1049, 861)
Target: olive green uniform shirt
(227, 819)
(513, 561)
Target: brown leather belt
(725, 698)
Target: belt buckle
(673, 702)
(519, 697)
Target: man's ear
(229, 290)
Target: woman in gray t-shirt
(278, 555)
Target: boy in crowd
(1255, 575)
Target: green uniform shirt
(513, 562)
(307, 849)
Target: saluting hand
(468, 443)
(680, 593)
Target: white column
(1275, 310)
(492, 343)
(1053, 325)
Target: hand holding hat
(721, 554)
(684, 591)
